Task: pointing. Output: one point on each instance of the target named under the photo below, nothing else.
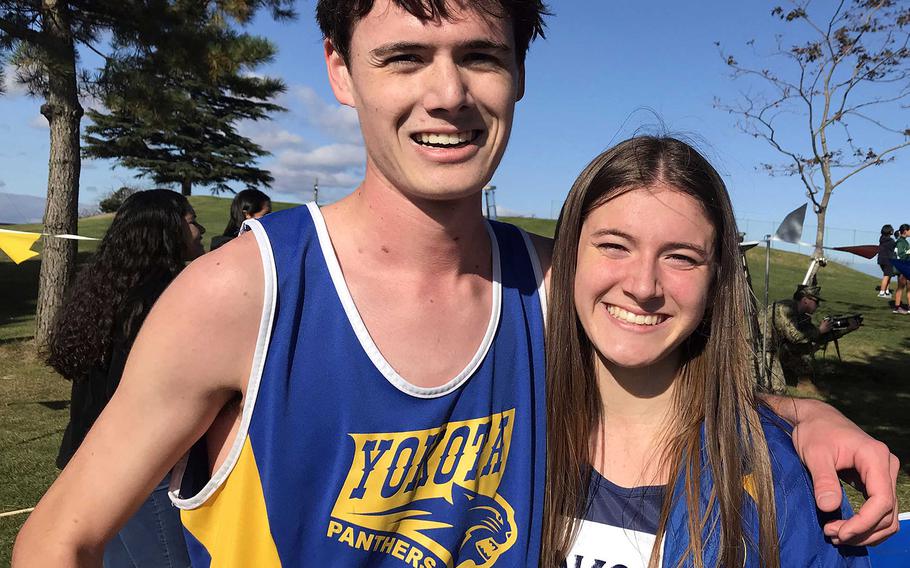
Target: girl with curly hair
(152, 236)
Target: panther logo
(490, 521)
(430, 494)
(490, 534)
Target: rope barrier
(17, 512)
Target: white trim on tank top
(366, 341)
(266, 321)
(270, 295)
(538, 274)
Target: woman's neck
(636, 419)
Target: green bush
(115, 199)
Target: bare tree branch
(850, 44)
(871, 162)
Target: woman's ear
(339, 75)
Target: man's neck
(410, 235)
(420, 275)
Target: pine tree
(173, 115)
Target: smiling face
(435, 99)
(644, 271)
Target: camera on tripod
(845, 321)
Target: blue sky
(606, 71)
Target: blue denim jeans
(152, 538)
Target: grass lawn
(871, 384)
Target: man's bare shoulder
(209, 317)
(544, 247)
(229, 273)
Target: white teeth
(637, 319)
(445, 139)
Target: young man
(371, 392)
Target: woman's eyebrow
(684, 245)
(666, 246)
(612, 232)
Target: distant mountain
(16, 208)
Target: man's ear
(521, 82)
(339, 75)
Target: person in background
(248, 204)
(659, 451)
(901, 252)
(794, 338)
(885, 254)
(152, 236)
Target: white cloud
(268, 135)
(334, 157)
(339, 122)
(91, 102)
(337, 167)
(315, 139)
(300, 183)
(11, 86)
(279, 138)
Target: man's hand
(829, 443)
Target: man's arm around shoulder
(191, 357)
(828, 443)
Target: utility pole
(489, 193)
(316, 191)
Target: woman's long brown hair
(715, 385)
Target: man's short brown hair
(337, 18)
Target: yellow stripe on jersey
(749, 486)
(232, 524)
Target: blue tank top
(339, 461)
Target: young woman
(885, 254)
(248, 204)
(659, 453)
(150, 239)
(901, 252)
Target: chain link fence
(756, 229)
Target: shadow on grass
(42, 436)
(19, 289)
(14, 340)
(874, 393)
(49, 404)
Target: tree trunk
(186, 187)
(820, 232)
(63, 113)
(822, 210)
